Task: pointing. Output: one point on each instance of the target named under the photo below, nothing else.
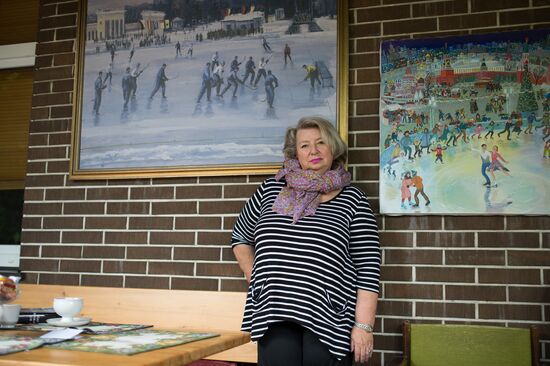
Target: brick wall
(174, 233)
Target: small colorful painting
(465, 124)
(130, 343)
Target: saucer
(74, 323)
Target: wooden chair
(471, 345)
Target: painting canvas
(201, 87)
(465, 124)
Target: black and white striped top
(309, 272)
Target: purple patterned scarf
(302, 194)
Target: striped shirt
(309, 272)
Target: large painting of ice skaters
(465, 124)
(192, 86)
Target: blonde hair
(329, 134)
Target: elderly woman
(308, 245)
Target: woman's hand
(362, 343)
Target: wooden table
(171, 356)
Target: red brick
(367, 107)
(363, 156)
(77, 208)
(413, 256)
(364, 30)
(468, 21)
(394, 308)
(61, 112)
(146, 252)
(171, 268)
(57, 21)
(147, 282)
(50, 99)
(445, 274)
(125, 237)
(128, 208)
(42, 208)
(396, 273)
(43, 87)
(445, 239)
(223, 180)
(219, 269)
(445, 310)
(83, 237)
(64, 58)
(31, 223)
(140, 193)
(54, 47)
(36, 167)
(47, 10)
(363, 3)
(439, 8)
(234, 285)
(488, 5)
(214, 238)
(510, 312)
(474, 223)
(509, 276)
(523, 16)
(46, 265)
(413, 291)
(527, 222)
(538, 294)
(172, 237)
(105, 222)
(63, 85)
(239, 191)
(220, 207)
(62, 251)
(196, 253)
(410, 26)
(150, 222)
(134, 267)
(200, 191)
(475, 257)
(44, 180)
(107, 194)
(102, 280)
(396, 239)
(412, 223)
(66, 8)
(530, 258)
(64, 194)
(366, 173)
(479, 293)
(34, 195)
(383, 13)
(80, 266)
(103, 251)
(229, 222)
(45, 36)
(364, 60)
(198, 222)
(508, 239)
(40, 153)
(203, 284)
(59, 279)
(62, 222)
(38, 113)
(175, 180)
(50, 125)
(363, 123)
(174, 208)
(367, 45)
(28, 236)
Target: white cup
(10, 315)
(67, 307)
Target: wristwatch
(367, 327)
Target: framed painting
(198, 88)
(465, 124)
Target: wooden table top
(171, 356)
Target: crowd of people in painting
(412, 137)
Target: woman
(308, 244)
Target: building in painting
(153, 22)
(110, 24)
(250, 21)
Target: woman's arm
(362, 341)
(245, 256)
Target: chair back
(471, 345)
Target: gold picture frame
(112, 135)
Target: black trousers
(289, 344)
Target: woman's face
(312, 151)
